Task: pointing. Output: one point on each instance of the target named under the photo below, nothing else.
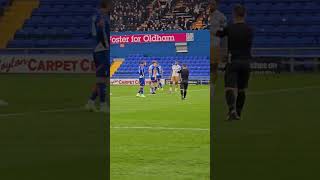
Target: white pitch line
(160, 128)
(13, 114)
(60, 110)
(43, 111)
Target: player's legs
(152, 85)
(182, 91)
(243, 80)
(171, 84)
(160, 84)
(101, 60)
(177, 83)
(156, 84)
(141, 90)
(241, 97)
(185, 85)
(230, 90)
(101, 75)
(174, 84)
(94, 93)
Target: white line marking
(13, 114)
(43, 111)
(160, 128)
(61, 110)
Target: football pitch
(45, 134)
(160, 137)
(278, 136)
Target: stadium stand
(57, 23)
(177, 15)
(277, 23)
(198, 66)
(127, 15)
(282, 23)
(14, 16)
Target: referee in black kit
(184, 81)
(237, 72)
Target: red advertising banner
(46, 64)
(152, 38)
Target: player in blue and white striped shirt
(159, 76)
(101, 55)
(153, 73)
(142, 80)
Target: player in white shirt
(175, 76)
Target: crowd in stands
(159, 15)
(128, 14)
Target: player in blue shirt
(159, 76)
(101, 56)
(142, 80)
(153, 77)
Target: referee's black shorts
(237, 75)
(184, 85)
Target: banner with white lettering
(152, 38)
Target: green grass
(49, 145)
(158, 154)
(36, 144)
(278, 136)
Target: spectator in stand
(157, 15)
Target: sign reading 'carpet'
(152, 38)
(46, 64)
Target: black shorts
(184, 85)
(237, 75)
